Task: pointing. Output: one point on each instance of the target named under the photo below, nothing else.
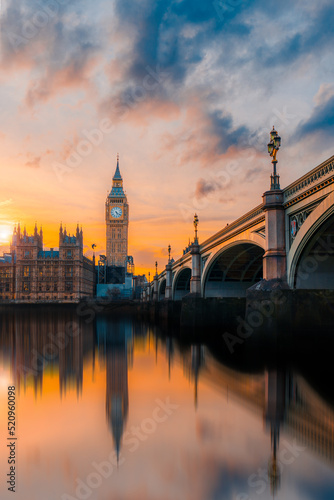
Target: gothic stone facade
(117, 222)
(31, 274)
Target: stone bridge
(289, 237)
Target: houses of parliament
(29, 273)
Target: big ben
(117, 222)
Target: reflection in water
(38, 347)
(39, 342)
(274, 415)
(71, 362)
(194, 362)
(117, 342)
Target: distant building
(30, 274)
(117, 345)
(115, 269)
(117, 222)
(139, 282)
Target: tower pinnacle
(117, 221)
(117, 175)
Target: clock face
(116, 212)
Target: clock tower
(117, 222)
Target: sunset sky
(185, 91)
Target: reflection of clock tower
(117, 222)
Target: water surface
(114, 409)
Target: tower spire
(117, 175)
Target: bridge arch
(181, 283)
(310, 261)
(233, 269)
(162, 289)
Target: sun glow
(5, 234)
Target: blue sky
(192, 90)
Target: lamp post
(195, 281)
(273, 147)
(155, 284)
(274, 259)
(169, 278)
(93, 248)
(196, 220)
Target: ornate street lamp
(273, 147)
(93, 247)
(169, 250)
(196, 220)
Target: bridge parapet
(229, 230)
(282, 226)
(320, 177)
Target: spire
(117, 175)
(117, 183)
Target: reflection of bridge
(284, 400)
(289, 236)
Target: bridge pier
(168, 312)
(169, 280)
(267, 306)
(287, 241)
(211, 313)
(195, 281)
(274, 259)
(155, 289)
(288, 314)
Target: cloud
(54, 41)
(222, 127)
(69, 147)
(204, 188)
(168, 41)
(312, 36)
(6, 202)
(174, 34)
(321, 119)
(204, 137)
(35, 162)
